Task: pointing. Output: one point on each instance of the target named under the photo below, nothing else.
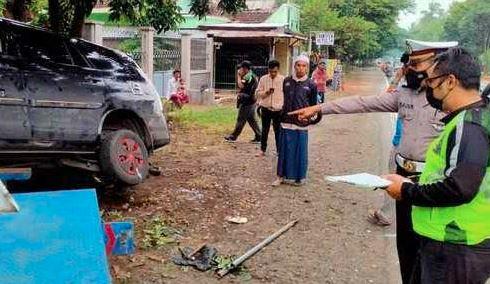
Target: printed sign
(325, 38)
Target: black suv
(72, 103)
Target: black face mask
(414, 79)
(433, 102)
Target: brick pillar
(185, 62)
(210, 60)
(185, 65)
(92, 31)
(147, 34)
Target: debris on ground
(205, 257)
(224, 262)
(159, 234)
(119, 238)
(236, 220)
(237, 262)
(155, 170)
(202, 259)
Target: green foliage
(362, 28)
(468, 22)
(225, 262)
(431, 26)
(485, 60)
(2, 5)
(67, 16)
(201, 8)
(112, 215)
(158, 234)
(103, 17)
(162, 15)
(39, 9)
(130, 45)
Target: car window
(78, 59)
(8, 47)
(106, 59)
(100, 58)
(38, 46)
(2, 42)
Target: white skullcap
(302, 58)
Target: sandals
(378, 218)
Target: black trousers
(407, 242)
(269, 116)
(246, 113)
(446, 263)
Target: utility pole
(310, 43)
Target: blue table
(56, 237)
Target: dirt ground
(205, 180)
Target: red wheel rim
(130, 156)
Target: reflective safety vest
(468, 223)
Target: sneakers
(230, 138)
(378, 218)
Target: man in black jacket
(247, 83)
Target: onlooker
(314, 60)
(176, 90)
(271, 99)
(320, 78)
(299, 92)
(247, 84)
(421, 124)
(388, 70)
(451, 200)
(337, 78)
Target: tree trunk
(18, 10)
(77, 23)
(55, 15)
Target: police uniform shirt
(421, 122)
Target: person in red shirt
(320, 78)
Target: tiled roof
(252, 16)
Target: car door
(14, 124)
(66, 97)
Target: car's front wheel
(124, 157)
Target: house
(264, 31)
(257, 35)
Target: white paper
(361, 179)
(7, 203)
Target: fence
(167, 54)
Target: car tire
(123, 157)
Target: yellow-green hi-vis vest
(469, 223)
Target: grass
(212, 118)
(104, 18)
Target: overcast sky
(405, 20)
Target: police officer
(451, 211)
(420, 125)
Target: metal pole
(256, 249)
(309, 44)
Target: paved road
(333, 243)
